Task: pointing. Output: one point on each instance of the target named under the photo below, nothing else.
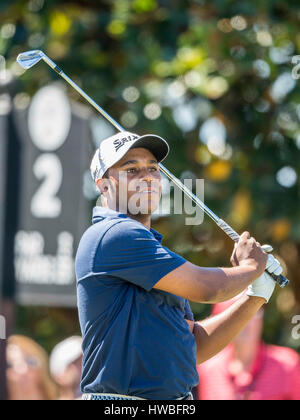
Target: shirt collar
(101, 213)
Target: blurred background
(218, 79)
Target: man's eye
(131, 170)
(153, 169)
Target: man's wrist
(257, 300)
(247, 269)
(255, 268)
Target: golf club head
(30, 58)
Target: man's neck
(145, 219)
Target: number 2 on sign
(44, 203)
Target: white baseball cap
(112, 149)
(65, 353)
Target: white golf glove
(264, 285)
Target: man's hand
(248, 252)
(264, 285)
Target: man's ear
(103, 184)
(98, 183)
(107, 189)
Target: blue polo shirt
(135, 338)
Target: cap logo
(96, 173)
(118, 143)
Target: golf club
(31, 58)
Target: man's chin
(146, 210)
(144, 206)
(142, 212)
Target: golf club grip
(280, 280)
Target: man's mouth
(149, 191)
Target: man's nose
(145, 175)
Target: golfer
(140, 340)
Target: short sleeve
(131, 252)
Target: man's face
(134, 183)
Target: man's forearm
(224, 283)
(213, 334)
(207, 285)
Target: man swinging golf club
(29, 59)
(139, 335)
(140, 340)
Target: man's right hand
(248, 252)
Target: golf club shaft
(281, 280)
(230, 232)
(82, 93)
